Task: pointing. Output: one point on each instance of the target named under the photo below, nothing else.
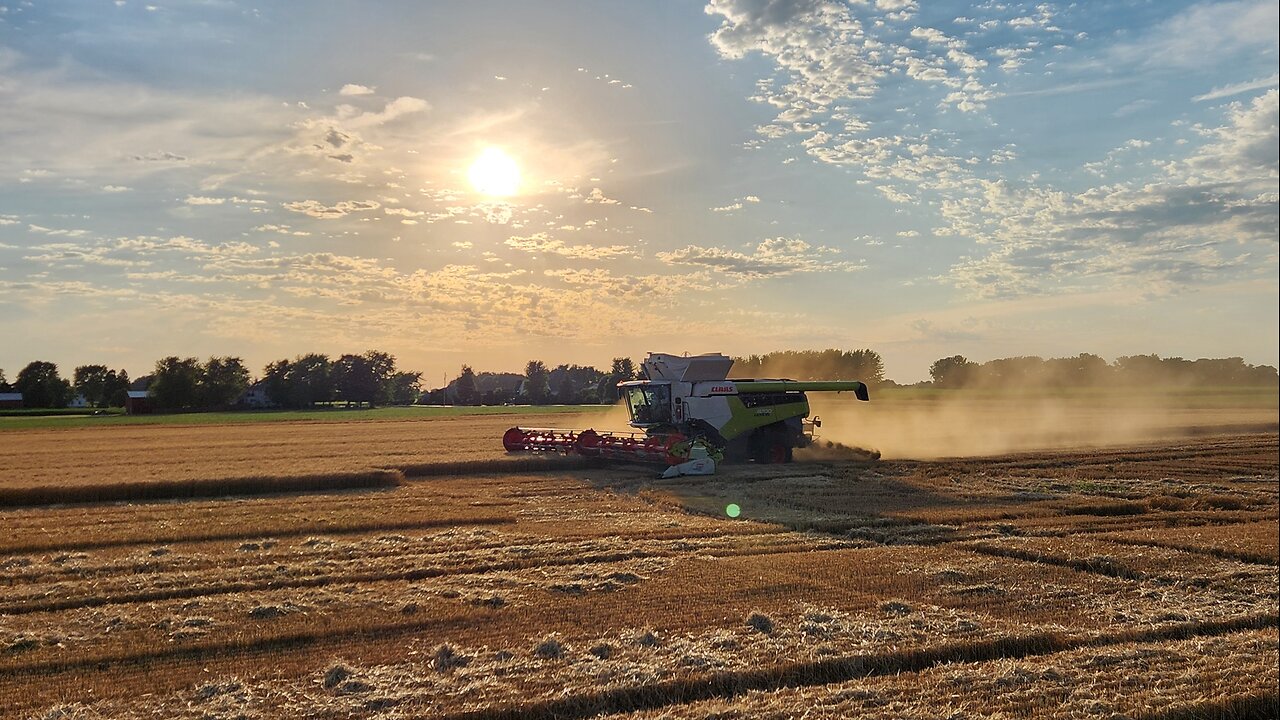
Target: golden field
(1134, 581)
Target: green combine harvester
(690, 416)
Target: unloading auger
(690, 416)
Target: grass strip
(547, 462)
(183, 489)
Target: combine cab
(689, 416)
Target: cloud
(352, 89)
(542, 243)
(772, 257)
(1237, 88)
(598, 197)
(281, 229)
(1209, 29)
(318, 209)
(200, 200)
(1243, 151)
(737, 204)
(393, 110)
(1210, 218)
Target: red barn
(138, 402)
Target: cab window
(649, 404)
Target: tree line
(539, 385)
(220, 383)
(1086, 369)
(373, 379)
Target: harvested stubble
(1257, 542)
(1227, 676)
(433, 598)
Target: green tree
(383, 366)
(276, 377)
(93, 381)
(356, 381)
(623, 369)
(954, 371)
(464, 390)
(41, 386)
(537, 387)
(4, 384)
(117, 390)
(222, 381)
(310, 380)
(406, 388)
(175, 385)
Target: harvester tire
(769, 446)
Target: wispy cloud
(1237, 88)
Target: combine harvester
(691, 416)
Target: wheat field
(1136, 581)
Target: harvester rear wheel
(769, 446)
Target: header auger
(690, 416)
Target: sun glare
(494, 173)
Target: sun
(495, 173)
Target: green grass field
(56, 419)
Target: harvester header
(691, 415)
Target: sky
(493, 182)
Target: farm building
(138, 402)
(10, 400)
(256, 397)
(78, 401)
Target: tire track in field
(186, 536)
(1243, 556)
(1109, 569)
(315, 581)
(159, 568)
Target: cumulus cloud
(317, 209)
(201, 200)
(598, 197)
(542, 243)
(353, 89)
(829, 63)
(772, 257)
(1208, 219)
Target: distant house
(10, 401)
(78, 401)
(138, 402)
(256, 397)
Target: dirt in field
(1136, 580)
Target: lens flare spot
(732, 510)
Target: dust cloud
(612, 419)
(904, 424)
